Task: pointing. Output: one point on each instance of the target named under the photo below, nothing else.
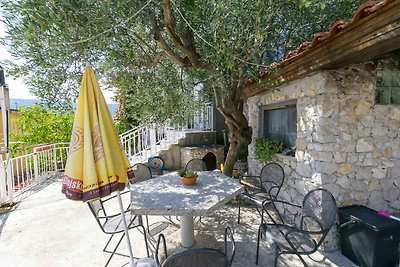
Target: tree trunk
(239, 133)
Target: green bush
(39, 125)
(266, 148)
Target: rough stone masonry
(345, 142)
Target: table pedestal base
(187, 231)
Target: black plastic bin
(366, 238)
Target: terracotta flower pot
(188, 181)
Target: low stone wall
(345, 143)
(188, 153)
(172, 156)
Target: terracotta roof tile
(318, 38)
(364, 10)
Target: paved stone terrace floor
(46, 229)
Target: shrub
(39, 125)
(266, 148)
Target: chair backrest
(142, 172)
(110, 221)
(97, 209)
(318, 210)
(199, 257)
(271, 178)
(196, 165)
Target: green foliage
(266, 148)
(39, 125)
(191, 174)
(121, 126)
(181, 172)
(233, 40)
(154, 53)
(187, 174)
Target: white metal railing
(21, 173)
(202, 120)
(143, 142)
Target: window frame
(273, 106)
(386, 88)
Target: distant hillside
(16, 103)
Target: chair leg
(145, 239)
(147, 223)
(258, 244)
(119, 242)
(262, 215)
(239, 202)
(115, 249)
(108, 242)
(276, 258)
(302, 260)
(109, 251)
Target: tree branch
(239, 88)
(155, 60)
(163, 44)
(185, 43)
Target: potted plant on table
(187, 177)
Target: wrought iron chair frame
(98, 210)
(271, 191)
(197, 163)
(288, 232)
(132, 181)
(227, 258)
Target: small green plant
(191, 174)
(187, 174)
(266, 148)
(181, 172)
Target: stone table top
(165, 195)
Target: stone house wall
(345, 143)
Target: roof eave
(369, 38)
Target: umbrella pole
(125, 227)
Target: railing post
(3, 183)
(35, 166)
(153, 139)
(55, 157)
(9, 179)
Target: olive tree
(154, 52)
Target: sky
(18, 89)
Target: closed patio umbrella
(96, 164)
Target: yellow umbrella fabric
(96, 164)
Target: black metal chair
(196, 165)
(112, 224)
(259, 190)
(200, 257)
(318, 214)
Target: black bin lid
(369, 217)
